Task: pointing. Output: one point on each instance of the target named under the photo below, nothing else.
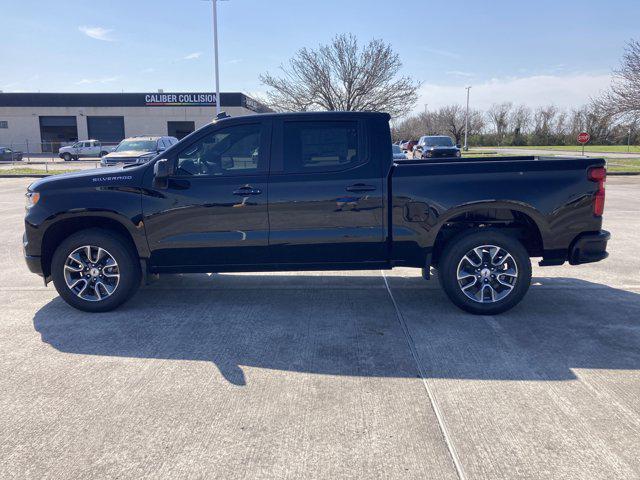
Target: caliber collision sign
(180, 100)
(584, 137)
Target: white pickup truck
(85, 148)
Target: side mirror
(161, 173)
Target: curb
(625, 174)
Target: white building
(38, 122)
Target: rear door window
(321, 146)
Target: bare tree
(410, 128)
(592, 119)
(623, 99)
(520, 122)
(543, 124)
(499, 115)
(450, 119)
(343, 76)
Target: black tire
(67, 157)
(452, 258)
(117, 247)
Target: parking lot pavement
(325, 375)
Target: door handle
(360, 187)
(246, 191)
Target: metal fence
(38, 152)
(46, 153)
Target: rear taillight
(598, 174)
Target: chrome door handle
(360, 187)
(246, 191)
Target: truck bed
(552, 192)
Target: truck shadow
(347, 325)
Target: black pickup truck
(313, 191)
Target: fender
(134, 226)
(516, 206)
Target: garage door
(106, 129)
(180, 129)
(56, 131)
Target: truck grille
(115, 161)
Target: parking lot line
(432, 399)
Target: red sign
(584, 137)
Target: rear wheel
(485, 272)
(95, 270)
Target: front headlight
(32, 198)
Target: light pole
(466, 122)
(215, 53)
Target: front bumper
(589, 247)
(34, 265)
(441, 154)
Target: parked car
(139, 149)
(436, 146)
(313, 191)
(398, 154)
(408, 146)
(85, 148)
(9, 155)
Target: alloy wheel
(487, 274)
(91, 273)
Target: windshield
(136, 146)
(438, 142)
(397, 149)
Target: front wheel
(485, 272)
(66, 157)
(95, 270)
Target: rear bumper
(589, 247)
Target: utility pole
(466, 122)
(629, 140)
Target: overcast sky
(538, 52)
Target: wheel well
(65, 228)
(512, 222)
